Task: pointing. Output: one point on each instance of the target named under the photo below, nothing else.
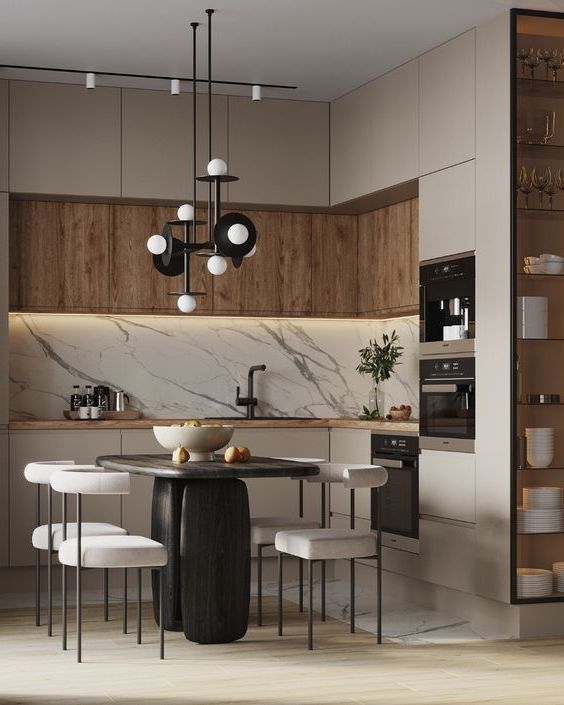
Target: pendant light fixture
(230, 236)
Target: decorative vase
(376, 400)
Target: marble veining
(189, 367)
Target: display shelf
(552, 403)
(540, 151)
(540, 87)
(537, 276)
(539, 212)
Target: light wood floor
(266, 670)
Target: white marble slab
(190, 367)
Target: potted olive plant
(379, 362)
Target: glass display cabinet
(537, 134)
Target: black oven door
(400, 498)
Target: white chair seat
(264, 529)
(40, 536)
(114, 552)
(326, 544)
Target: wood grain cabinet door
(135, 285)
(277, 280)
(64, 140)
(388, 261)
(334, 265)
(3, 135)
(59, 256)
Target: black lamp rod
(157, 78)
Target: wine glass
(551, 188)
(524, 185)
(521, 56)
(546, 55)
(540, 182)
(560, 179)
(532, 61)
(555, 63)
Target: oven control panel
(448, 368)
(394, 445)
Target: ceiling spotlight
(257, 92)
(174, 86)
(90, 81)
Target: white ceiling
(326, 47)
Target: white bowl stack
(540, 521)
(558, 571)
(545, 264)
(534, 582)
(542, 497)
(540, 446)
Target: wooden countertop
(377, 426)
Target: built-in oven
(447, 403)
(400, 495)
(447, 305)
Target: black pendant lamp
(232, 235)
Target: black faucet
(250, 400)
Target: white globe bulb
(238, 234)
(217, 167)
(217, 265)
(186, 303)
(185, 212)
(252, 253)
(156, 244)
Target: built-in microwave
(447, 305)
(447, 403)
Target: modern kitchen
(280, 392)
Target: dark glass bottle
(76, 398)
(88, 397)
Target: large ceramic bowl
(199, 441)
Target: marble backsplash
(174, 367)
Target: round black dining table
(200, 513)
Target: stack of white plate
(540, 446)
(542, 497)
(558, 570)
(534, 582)
(539, 521)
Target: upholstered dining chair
(109, 551)
(313, 545)
(48, 537)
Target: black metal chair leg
(138, 605)
(38, 560)
(50, 561)
(323, 582)
(352, 597)
(379, 566)
(106, 609)
(259, 585)
(125, 600)
(301, 581)
(310, 607)
(161, 611)
(78, 579)
(64, 578)
(280, 567)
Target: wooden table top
(162, 466)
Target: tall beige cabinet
(4, 396)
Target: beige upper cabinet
(447, 101)
(64, 140)
(3, 135)
(447, 211)
(157, 143)
(279, 151)
(374, 135)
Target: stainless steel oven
(400, 495)
(447, 403)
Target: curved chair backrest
(328, 472)
(359, 476)
(40, 471)
(90, 479)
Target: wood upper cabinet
(334, 265)
(4, 135)
(388, 260)
(374, 135)
(447, 104)
(135, 284)
(157, 143)
(277, 280)
(4, 299)
(279, 151)
(59, 256)
(64, 140)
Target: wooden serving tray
(127, 415)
